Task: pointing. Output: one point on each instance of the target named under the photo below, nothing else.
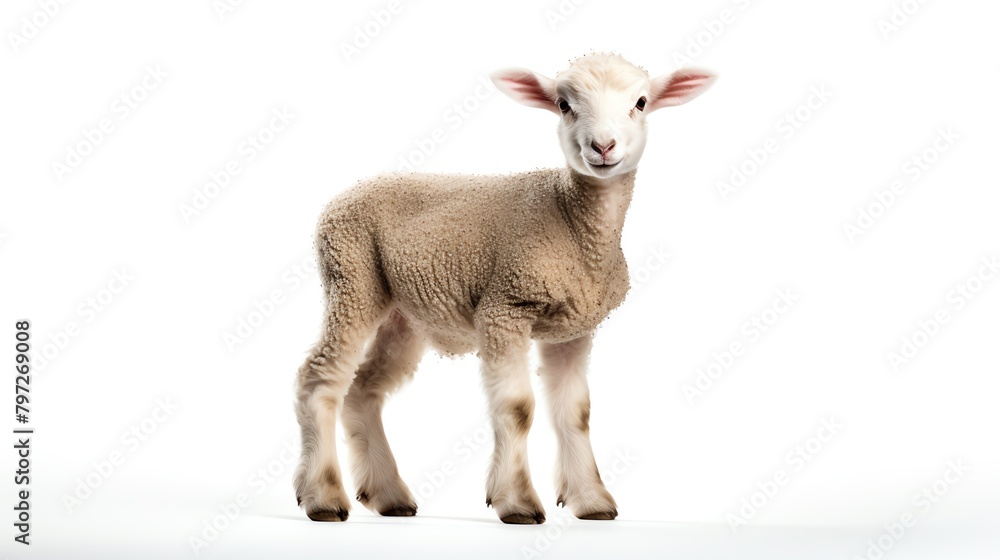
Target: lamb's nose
(603, 150)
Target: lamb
(488, 264)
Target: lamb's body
(543, 244)
(486, 264)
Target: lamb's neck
(594, 209)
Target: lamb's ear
(527, 87)
(678, 88)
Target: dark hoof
(400, 511)
(521, 519)
(601, 515)
(328, 515)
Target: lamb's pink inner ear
(680, 87)
(526, 87)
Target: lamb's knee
(319, 395)
(512, 403)
(519, 414)
(584, 416)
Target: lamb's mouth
(604, 165)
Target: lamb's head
(602, 101)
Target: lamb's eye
(563, 106)
(641, 103)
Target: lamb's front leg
(564, 373)
(511, 404)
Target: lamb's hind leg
(354, 307)
(563, 371)
(391, 359)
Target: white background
(63, 237)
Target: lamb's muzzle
(487, 264)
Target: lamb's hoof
(387, 497)
(400, 511)
(328, 515)
(590, 502)
(520, 519)
(516, 504)
(600, 515)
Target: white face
(602, 101)
(603, 132)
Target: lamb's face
(602, 101)
(603, 107)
